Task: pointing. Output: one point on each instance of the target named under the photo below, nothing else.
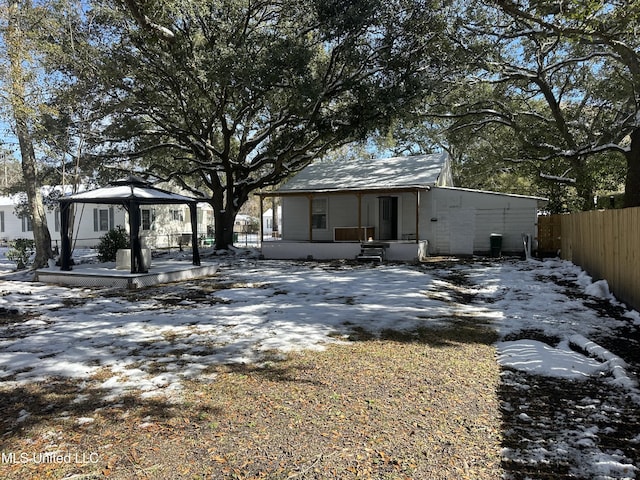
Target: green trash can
(495, 241)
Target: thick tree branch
(146, 23)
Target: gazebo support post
(417, 215)
(65, 253)
(261, 239)
(193, 209)
(137, 262)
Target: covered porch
(342, 224)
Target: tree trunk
(584, 184)
(21, 114)
(224, 223)
(41, 235)
(224, 216)
(632, 183)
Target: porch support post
(261, 220)
(310, 197)
(359, 195)
(417, 215)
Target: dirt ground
(427, 404)
(402, 407)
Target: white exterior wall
(88, 229)
(295, 218)
(453, 221)
(407, 214)
(85, 229)
(461, 221)
(10, 225)
(343, 212)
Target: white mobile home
(407, 205)
(93, 221)
(162, 226)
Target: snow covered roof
(6, 201)
(131, 188)
(373, 174)
(45, 190)
(541, 200)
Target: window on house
(100, 219)
(319, 208)
(177, 215)
(103, 219)
(27, 226)
(148, 217)
(1, 221)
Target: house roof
(542, 201)
(7, 201)
(125, 190)
(373, 174)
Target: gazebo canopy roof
(126, 190)
(131, 192)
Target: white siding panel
(510, 216)
(462, 222)
(343, 211)
(295, 219)
(407, 209)
(510, 223)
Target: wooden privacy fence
(606, 244)
(549, 234)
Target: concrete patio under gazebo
(130, 193)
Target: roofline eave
(128, 200)
(344, 191)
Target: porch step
(372, 252)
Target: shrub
(111, 242)
(20, 252)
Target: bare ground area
(404, 406)
(427, 404)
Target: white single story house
(162, 226)
(271, 221)
(93, 221)
(408, 206)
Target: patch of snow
(598, 289)
(23, 415)
(84, 420)
(539, 358)
(149, 348)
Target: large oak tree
(21, 27)
(551, 94)
(229, 96)
(599, 56)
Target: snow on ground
(151, 341)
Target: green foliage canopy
(229, 96)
